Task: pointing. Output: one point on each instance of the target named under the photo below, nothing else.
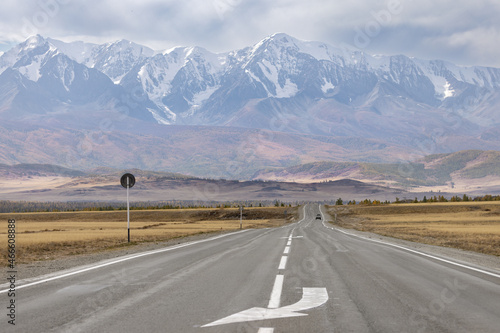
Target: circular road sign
(131, 180)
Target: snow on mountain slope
(280, 68)
(28, 57)
(114, 59)
(180, 79)
(318, 50)
(280, 76)
(448, 79)
(79, 51)
(118, 58)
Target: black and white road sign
(127, 181)
(131, 180)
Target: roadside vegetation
(46, 236)
(90, 206)
(431, 199)
(463, 224)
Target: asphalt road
(241, 282)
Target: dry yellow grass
(473, 226)
(41, 236)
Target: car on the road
(318, 217)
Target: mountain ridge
(196, 85)
(443, 171)
(96, 100)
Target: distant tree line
(435, 198)
(73, 206)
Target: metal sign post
(127, 181)
(128, 210)
(241, 217)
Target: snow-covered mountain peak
(277, 41)
(283, 39)
(189, 52)
(126, 46)
(79, 51)
(283, 45)
(30, 45)
(28, 57)
(172, 50)
(198, 51)
(192, 85)
(33, 42)
(116, 59)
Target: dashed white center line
(266, 330)
(283, 262)
(274, 301)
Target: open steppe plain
(471, 226)
(49, 236)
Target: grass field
(473, 226)
(45, 236)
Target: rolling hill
(48, 183)
(460, 171)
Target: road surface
(303, 277)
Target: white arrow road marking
(311, 298)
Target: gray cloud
(462, 31)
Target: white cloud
(462, 31)
(470, 47)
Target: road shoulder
(476, 259)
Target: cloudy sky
(462, 31)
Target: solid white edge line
(274, 301)
(322, 216)
(127, 258)
(56, 277)
(283, 262)
(414, 251)
(121, 260)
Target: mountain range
(45, 182)
(468, 171)
(278, 103)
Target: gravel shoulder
(48, 267)
(461, 256)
